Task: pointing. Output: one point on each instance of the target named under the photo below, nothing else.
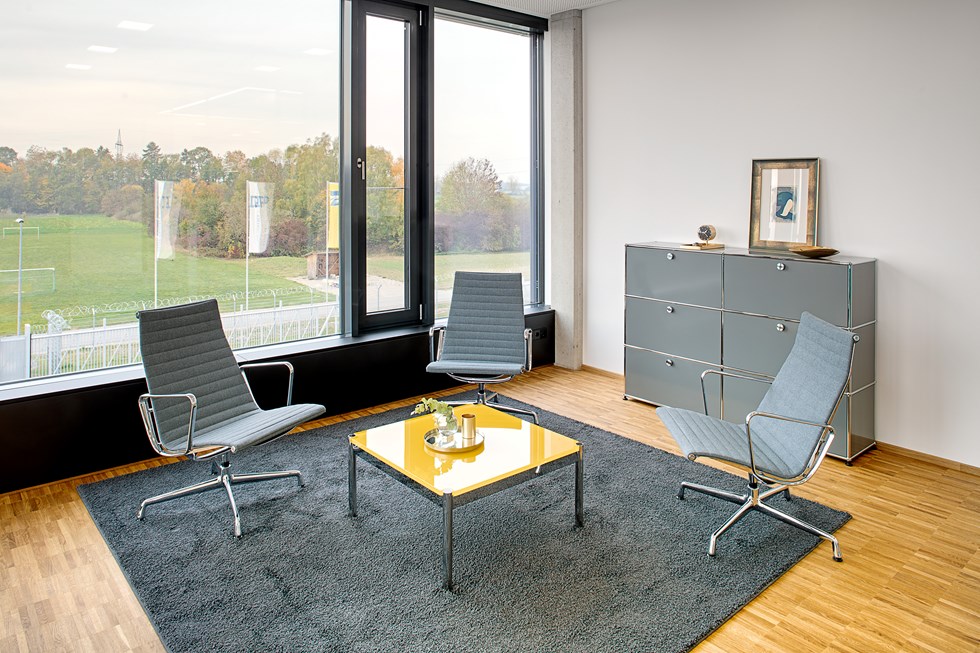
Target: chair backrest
(808, 386)
(184, 350)
(486, 318)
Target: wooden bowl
(811, 251)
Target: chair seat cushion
(477, 367)
(257, 426)
(703, 435)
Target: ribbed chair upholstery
(484, 340)
(783, 441)
(199, 403)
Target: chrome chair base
(483, 398)
(754, 501)
(225, 479)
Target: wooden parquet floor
(910, 580)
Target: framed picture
(784, 203)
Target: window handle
(360, 164)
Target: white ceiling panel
(544, 8)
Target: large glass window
(483, 153)
(158, 154)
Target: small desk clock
(706, 233)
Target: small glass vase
(446, 426)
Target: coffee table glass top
(510, 447)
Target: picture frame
(784, 208)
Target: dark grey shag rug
(307, 577)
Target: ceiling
(544, 8)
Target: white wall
(681, 95)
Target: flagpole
(156, 236)
(248, 219)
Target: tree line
(475, 210)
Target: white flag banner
(165, 210)
(259, 215)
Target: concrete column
(567, 184)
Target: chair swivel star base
(490, 399)
(225, 479)
(754, 501)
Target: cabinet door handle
(780, 266)
(669, 362)
(670, 309)
(780, 327)
(670, 256)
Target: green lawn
(102, 261)
(105, 263)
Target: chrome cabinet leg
(351, 479)
(447, 541)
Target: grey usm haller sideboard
(738, 310)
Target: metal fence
(34, 355)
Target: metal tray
(457, 445)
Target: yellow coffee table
(513, 451)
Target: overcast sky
(249, 75)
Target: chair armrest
(827, 437)
(286, 364)
(437, 336)
(749, 376)
(153, 429)
(528, 336)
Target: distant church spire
(119, 149)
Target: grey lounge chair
(199, 402)
(783, 442)
(484, 340)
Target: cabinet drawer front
(667, 381)
(759, 285)
(677, 329)
(674, 275)
(757, 344)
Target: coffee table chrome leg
(579, 481)
(352, 479)
(447, 540)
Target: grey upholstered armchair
(199, 402)
(484, 340)
(783, 442)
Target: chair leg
(268, 476)
(799, 523)
(197, 488)
(519, 411)
(741, 512)
(226, 481)
(711, 491)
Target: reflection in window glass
(189, 152)
(483, 154)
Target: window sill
(98, 378)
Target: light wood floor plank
(910, 580)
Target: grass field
(103, 262)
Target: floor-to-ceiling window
(484, 154)
(152, 155)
